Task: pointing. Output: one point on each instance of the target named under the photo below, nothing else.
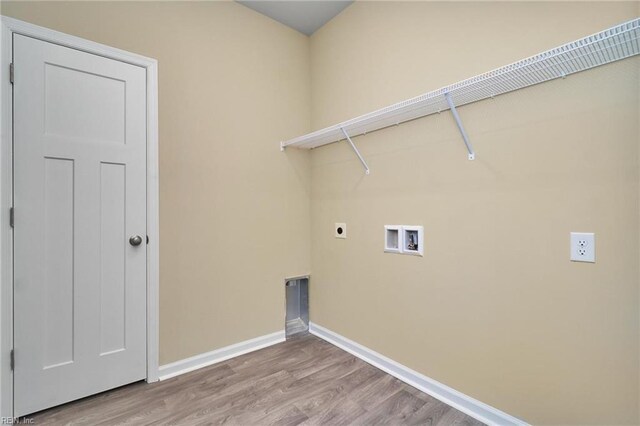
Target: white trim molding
(468, 405)
(10, 26)
(196, 362)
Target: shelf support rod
(364, 163)
(472, 154)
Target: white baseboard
(203, 360)
(474, 408)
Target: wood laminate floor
(302, 381)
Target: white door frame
(9, 27)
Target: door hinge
(11, 217)
(11, 72)
(12, 357)
(147, 239)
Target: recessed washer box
(413, 240)
(404, 239)
(393, 238)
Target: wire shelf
(613, 44)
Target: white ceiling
(305, 16)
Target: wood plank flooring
(304, 381)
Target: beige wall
(234, 211)
(494, 309)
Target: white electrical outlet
(341, 230)
(583, 247)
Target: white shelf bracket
(472, 154)
(364, 163)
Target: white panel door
(79, 196)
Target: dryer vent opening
(297, 294)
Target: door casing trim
(10, 26)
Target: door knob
(136, 240)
